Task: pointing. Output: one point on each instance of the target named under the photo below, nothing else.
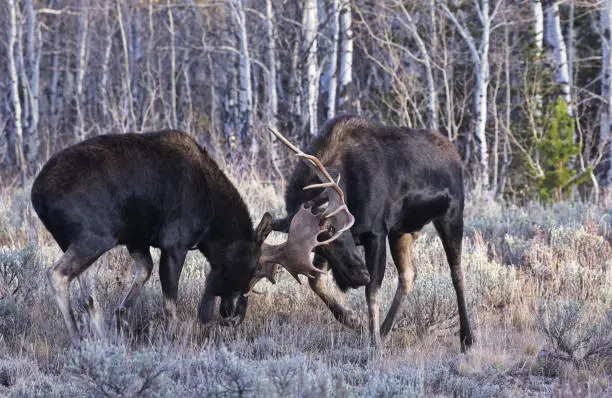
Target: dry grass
(540, 292)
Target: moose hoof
(352, 321)
(121, 317)
(232, 321)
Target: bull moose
(163, 190)
(395, 181)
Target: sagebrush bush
(291, 345)
(20, 270)
(577, 332)
(431, 305)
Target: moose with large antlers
(395, 181)
(163, 190)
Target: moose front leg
(170, 266)
(376, 256)
(340, 312)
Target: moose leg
(451, 233)
(170, 267)
(206, 309)
(342, 314)
(401, 250)
(68, 267)
(91, 303)
(143, 265)
(376, 255)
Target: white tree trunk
(272, 90)
(54, 95)
(482, 85)
(187, 121)
(605, 127)
(312, 70)
(14, 78)
(538, 31)
(538, 24)
(33, 54)
(345, 102)
(126, 70)
(480, 57)
(108, 41)
(272, 65)
(81, 63)
(174, 119)
(245, 99)
(332, 85)
(555, 39)
(432, 94)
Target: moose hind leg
(401, 251)
(91, 303)
(72, 263)
(143, 265)
(451, 233)
(340, 312)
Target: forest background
(522, 88)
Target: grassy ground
(540, 294)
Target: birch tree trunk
(432, 94)
(347, 101)
(538, 31)
(555, 39)
(173, 119)
(480, 58)
(108, 42)
(272, 90)
(136, 58)
(605, 126)
(53, 94)
(272, 67)
(332, 84)
(187, 119)
(14, 80)
(33, 54)
(127, 91)
(81, 65)
(245, 98)
(312, 70)
(538, 25)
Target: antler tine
(312, 161)
(333, 185)
(285, 141)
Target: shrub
(431, 305)
(19, 273)
(110, 370)
(577, 332)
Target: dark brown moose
(163, 190)
(395, 181)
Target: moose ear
(264, 228)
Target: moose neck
(231, 220)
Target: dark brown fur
(140, 190)
(395, 180)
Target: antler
(308, 224)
